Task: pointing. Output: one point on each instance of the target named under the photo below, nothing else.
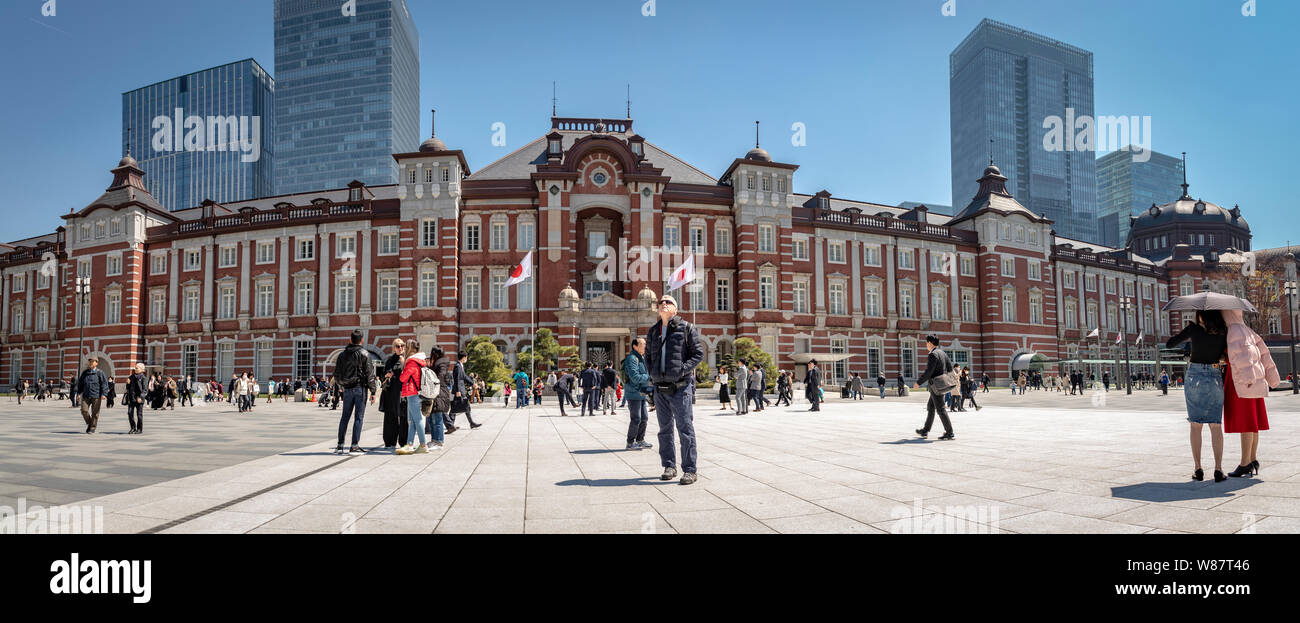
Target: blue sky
(869, 79)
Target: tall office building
(205, 135)
(347, 92)
(1004, 83)
(1126, 187)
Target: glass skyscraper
(1004, 83)
(347, 92)
(205, 135)
(1125, 188)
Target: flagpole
(533, 317)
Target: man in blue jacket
(673, 351)
(635, 390)
(589, 381)
(92, 387)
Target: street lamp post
(83, 290)
(1290, 288)
(1125, 305)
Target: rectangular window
(388, 294)
(906, 259)
(266, 253)
(388, 243)
(190, 311)
(306, 249)
(410, 176)
(1069, 279)
(114, 266)
(837, 298)
(767, 292)
(115, 227)
(968, 309)
(527, 234)
(1090, 283)
(303, 298)
(1071, 315)
(1035, 271)
(193, 257)
(446, 175)
(800, 291)
(302, 359)
(697, 241)
(524, 295)
(800, 250)
(42, 318)
(226, 306)
(500, 236)
(1110, 285)
(472, 241)
(939, 304)
(265, 299)
(592, 288)
(1008, 306)
(227, 256)
(909, 360)
(100, 229)
(42, 280)
(113, 308)
(870, 255)
(16, 320)
(15, 367)
(347, 296)
(596, 244)
(672, 237)
(190, 360)
(1008, 267)
(835, 251)
(873, 300)
(428, 176)
(767, 239)
(20, 283)
(473, 293)
(723, 240)
(840, 345)
(83, 268)
(1035, 310)
(262, 360)
(724, 294)
(225, 361)
(938, 262)
(905, 299)
(428, 289)
(767, 183)
(345, 246)
(497, 298)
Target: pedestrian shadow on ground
(601, 451)
(909, 440)
(612, 482)
(83, 433)
(1180, 491)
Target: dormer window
(354, 194)
(553, 148)
(636, 149)
(824, 203)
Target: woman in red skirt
(1250, 374)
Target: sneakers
(340, 450)
(688, 478)
(435, 446)
(669, 473)
(645, 444)
(422, 450)
(356, 451)
(922, 433)
(405, 451)
(633, 446)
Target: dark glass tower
(1004, 83)
(347, 92)
(1127, 188)
(226, 154)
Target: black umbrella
(1208, 300)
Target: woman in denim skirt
(1203, 385)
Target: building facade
(275, 285)
(205, 135)
(1004, 83)
(1126, 187)
(348, 92)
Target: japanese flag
(1119, 338)
(683, 275)
(1141, 335)
(522, 272)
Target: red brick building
(275, 285)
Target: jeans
(591, 400)
(936, 404)
(639, 419)
(353, 399)
(414, 417)
(882, 392)
(675, 411)
(135, 415)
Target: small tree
(569, 354)
(702, 372)
(485, 360)
(748, 350)
(546, 349)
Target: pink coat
(1253, 370)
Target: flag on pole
(683, 275)
(1119, 338)
(1095, 332)
(1141, 334)
(522, 272)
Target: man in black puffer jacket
(355, 375)
(673, 351)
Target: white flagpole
(533, 278)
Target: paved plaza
(1041, 463)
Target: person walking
(390, 398)
(355, 374)
(112, 393)
(135, 389)
(187, 391)
(881, 381)
(91, 388)
(673, 351)
(464, 389)
(968, 390)
(589, 381)
(783, 390)
(939, 380)
(1203, 390)
(721, 379)
(1164, 382)
(635, 389)
(1250, 375)
(812, 386)
(412, 376)
(742, 387)
(757, 383)
(172, 393)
